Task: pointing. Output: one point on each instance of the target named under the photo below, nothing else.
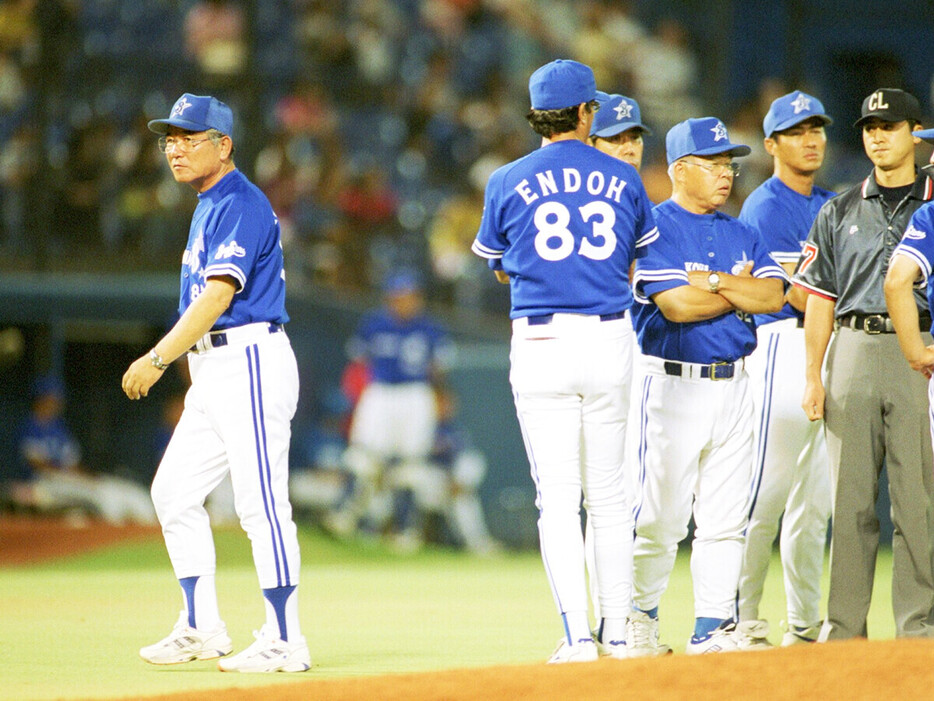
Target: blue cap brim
(161, 126)
(732, 149)
(926, 134)
(615, 129)
(798, 119)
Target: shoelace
(641, 633)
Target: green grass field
(71, 629)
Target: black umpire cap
(890, 105)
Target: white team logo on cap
(719, 132)
(623, 110)
(181, 106)
(801, 103)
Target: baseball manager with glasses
(242, 398)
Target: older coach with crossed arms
(698, 287)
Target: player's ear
(769, 144)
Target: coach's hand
(140, 377)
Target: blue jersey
(918, 244)
(783, 218)
(686, 242)
(565, 222)
(48, 442)
(397, 351)
(235, 232)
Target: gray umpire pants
(877, 409)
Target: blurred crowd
(372, 125)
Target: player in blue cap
(238, 410)
(561, 226)
(696, 292)
(617, 128)
(406, 352)
(791, 459)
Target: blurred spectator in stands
(52, 477)
(369, 205)
(18, 27)
(215, 37)
(666, 76)
(146, 213)
(88, 185)
(461, 277)
(12, 86)
(19, 169)
(300, 170)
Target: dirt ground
(854, 670)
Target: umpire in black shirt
(875, 407)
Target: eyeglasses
(731, 169)
(182, 143)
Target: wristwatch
(157, 361)
(713, 281)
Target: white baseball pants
(571, 383)
(792, 476)
(236, 419)
(694, 450)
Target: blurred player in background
(405, 353)
(238, 410)
(562, 226)
(696, 291)
(874, 405)
(792, 475)
(447, 484)
(52, 477)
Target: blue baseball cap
(196, 113)
(617, 114)
(702, 136)
(401, 282)
(791, 109)
(926, 134)
(562, 83)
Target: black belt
(219, 338)
(543, 319)
(714, 371)
(877, 323)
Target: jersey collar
(923, 188)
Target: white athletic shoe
(753, 635)
(269, 653)
(724, 639)
(584, 650)
(614, 648)
(185, 644)
(796, 635)
(642, 636)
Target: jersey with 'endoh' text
(687, 242)
(566, 222)
(234, 232)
